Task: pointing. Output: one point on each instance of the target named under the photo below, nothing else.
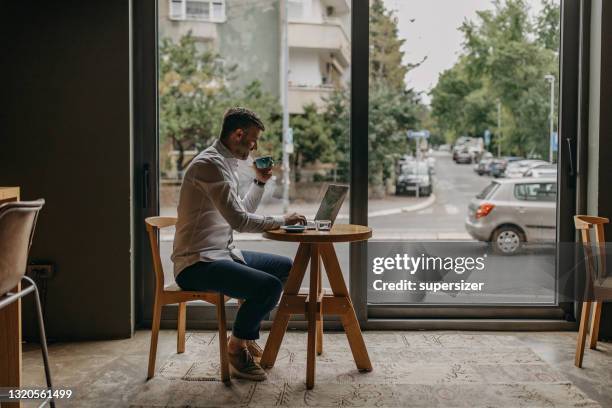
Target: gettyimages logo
(412, 264)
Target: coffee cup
(264, 162)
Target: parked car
(415, 176)
(431, 163)
(542, 170)
(484, 165)
(510, 212)
(498, 166)
(518, 168)
(463, 156)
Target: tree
(506, 55)
(191, 85)
(391, 115)
(195, 89)
(385, 47)
(392, 107)
(336, 116)
(547, 25)
(312, 138)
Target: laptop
(331, 203)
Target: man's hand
(262, 175)
(295, 218)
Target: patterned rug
(411, 369)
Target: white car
(542, 170)
(518, 168)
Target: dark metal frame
(146, 171)
(145, 152)
(374, 316)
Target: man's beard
(244, 154)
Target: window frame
(574, 78)
(183, 16)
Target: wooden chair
(594, 292)
(171, 294)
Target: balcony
(327, 36)
(304, 95)
(341, 6)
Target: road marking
(426, 211)
(451, 209)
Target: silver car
(510, 212)
(518, 168)
(543, 170)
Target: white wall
(304, 67)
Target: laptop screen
(331, 203)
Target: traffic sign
(487, 137)
(418, 134)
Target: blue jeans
(259, 283)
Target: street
(527, 277)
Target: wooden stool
(171, 294)
(594, 294)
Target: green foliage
(195, 88)
(392, 108)
(336, 116)
(385, 47)
(461, 104)
(391, 115)
(312, 138)
(506, 56)
(547, 25)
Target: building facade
(247, 33)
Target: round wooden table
(314, 247)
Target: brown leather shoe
(255, 350)
(242, 365)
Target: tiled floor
(108, 373)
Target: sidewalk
(376, 208)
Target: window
(201, 10)
(536, 192)
(488, 191)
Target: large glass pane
(463, 146)
(243, 60)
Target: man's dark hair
(239, 118)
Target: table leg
(312, 310)
(10, 347)
(292, 287)
(349, 318)
(320, 319)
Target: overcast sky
(430, 29)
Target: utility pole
(498, 128)
(284, 93)
(551, 79)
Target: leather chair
(17, 224)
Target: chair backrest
(584, 224)
(17, 223)
(154, 224)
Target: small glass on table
(323, 225)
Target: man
(205, 257)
